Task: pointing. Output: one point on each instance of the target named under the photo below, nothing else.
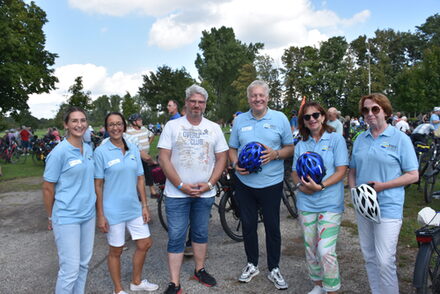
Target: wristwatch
(322, 186)
(211, 187)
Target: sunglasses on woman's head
(375, 110)
(309, 116)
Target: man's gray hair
(195, 89)
(258, 83)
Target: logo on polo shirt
(269, 126)
(386, 145)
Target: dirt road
(28, 260)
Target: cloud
(95, 79)
(276, 24)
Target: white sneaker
(317, 290)
(249, 271)
(277, 279)
(144, 286)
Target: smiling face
(115, 126)
(313, 119)
(258, 99)
(76, 124)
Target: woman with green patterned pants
(321, 204)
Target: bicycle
(229, 210)
(10, 153)
(427, 267)
(431, 171)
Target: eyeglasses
(375, 110)
(194, 102)
(113, 125)
(315, 115)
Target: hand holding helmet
(250, 157)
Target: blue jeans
(75, 247)
(180, 212)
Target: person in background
(183, 110)
(403, 125)
(421, 133)
(294, 121)
(321, 204)
(333, 121)
(173, 109)
(434, 120)
(144, 138)
(118, 182)
(263, 189)
(56, 135)
(69, 199)
(193, 154)
(25, 136)
(385, 158)
(346, 127)
(87, 138)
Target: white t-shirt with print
(193, 150)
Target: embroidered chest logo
(388, 146)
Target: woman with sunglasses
(384, 157)
(119, 179)
(321, 204)
(69, 199)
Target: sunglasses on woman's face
(374, 110)
(315, 115)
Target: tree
(79, 97)
(267, 72)
(246, 75)
(100, 107)
(24, 63)
(129, 105)
(219, 63)
(166, 84)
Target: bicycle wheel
(430, 179)
(289, 199)
(161, 211)
(427, 270)
(15, 156)
(230, 216)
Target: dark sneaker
(203, 277)
(172, 289)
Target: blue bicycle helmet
(310, 164)
(249, 157)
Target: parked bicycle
(229, 210)
(431, 170)
(40, 149)
(10, 153)
(427, 267)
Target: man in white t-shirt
(403, 125)
(193, 154)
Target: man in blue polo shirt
(263, 189)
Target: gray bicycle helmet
(364, 199)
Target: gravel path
(28, 260)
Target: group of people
(193, 153)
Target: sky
(113, 43)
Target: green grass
(20, 170)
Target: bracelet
(145, 205)
(180, 186)
(211, 187)
(278, 155)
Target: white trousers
(378, 245)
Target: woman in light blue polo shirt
(321, 205)
(69, 199)
(119, 179)
(385, 157)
